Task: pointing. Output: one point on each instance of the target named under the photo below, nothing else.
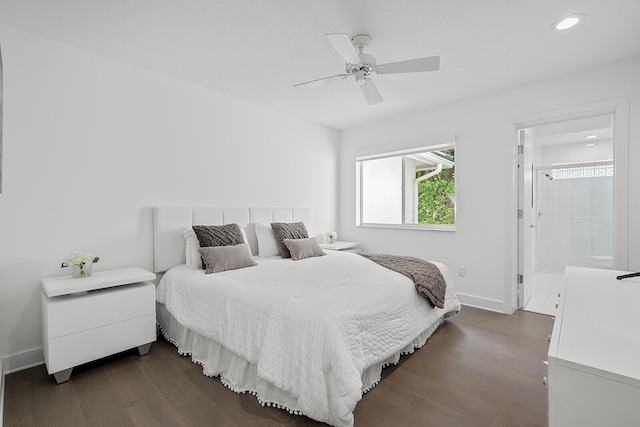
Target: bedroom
(91, 143)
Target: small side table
(341, 246)
(84, 319)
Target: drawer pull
(556, 305)
(545, 380)
(546, 362)
(548, 338)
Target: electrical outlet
(461, 271)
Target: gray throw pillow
(223, 258)
(303, 248)
(288, 230)
(218, 235)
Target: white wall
(484, 177)
(91, 144)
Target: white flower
(80, 257)
(332, 235)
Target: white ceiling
(576, 131)
(257, 50)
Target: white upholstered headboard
(169, 223)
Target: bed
(308, 336)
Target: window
(407, 189)
(593, 170)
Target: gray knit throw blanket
(425, 275)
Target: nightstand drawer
(75, 349)
(70, 314)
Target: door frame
(619, 107)
(527, 203)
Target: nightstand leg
(144, 349)
(63, 376)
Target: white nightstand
(88, 318)
(341, 246)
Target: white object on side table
(84, 319)
(341, 246)
(594, 351)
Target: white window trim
(378, 154)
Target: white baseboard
(23, 360)
(483, 303)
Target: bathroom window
(407, 189)
(594, 170)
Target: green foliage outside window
(436, 196)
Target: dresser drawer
(70, 314)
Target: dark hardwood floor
(479, 369)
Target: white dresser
(594, 351)
(87, 318)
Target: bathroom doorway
(566, 201)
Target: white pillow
(192, 247)
(267, 245)
(244, 234)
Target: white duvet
(311, 326)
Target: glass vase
(81, 270)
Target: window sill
(421, 227)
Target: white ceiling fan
(362, 65)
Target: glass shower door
(575, 217)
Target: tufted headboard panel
(169, 223)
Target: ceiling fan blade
(370, 92)
(431, 63)
(321, 82)
(342, 44)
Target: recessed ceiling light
(590, 145)
(592, 136)
(568, 21)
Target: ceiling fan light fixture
(361, 77)
(568, 21)
(362, 65)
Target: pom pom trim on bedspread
(227, 384)
(429, 333)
